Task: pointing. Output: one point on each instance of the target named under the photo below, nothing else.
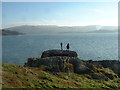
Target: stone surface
(58, 64)
(111, 64)
(67, 61)
(73, 64)
(51, 53)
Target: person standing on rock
(68, 46)
(61, 46)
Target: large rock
(68, 64)
(67, 61)
(111, 64)
(58, 64)
(51, 53)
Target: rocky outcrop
(111, 64)
(68, 64)
(58, 64)
(63, 61)
(51, 53)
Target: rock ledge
(53, 53)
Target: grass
(15, 76)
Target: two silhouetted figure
(68, 46)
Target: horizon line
(13, 25)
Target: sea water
(89, 46)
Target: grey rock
(51, 53)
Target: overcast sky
(60, 13)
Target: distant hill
(53, 29)
(9, 32)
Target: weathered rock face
(112, 64)
(67, 61)
(73, 64)
(58, 64)
(51, 53)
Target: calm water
(16, 49)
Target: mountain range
(53, 29)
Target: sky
(60, 13)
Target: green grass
(15, 76)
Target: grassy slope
(26, 77)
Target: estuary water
(89, 46)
